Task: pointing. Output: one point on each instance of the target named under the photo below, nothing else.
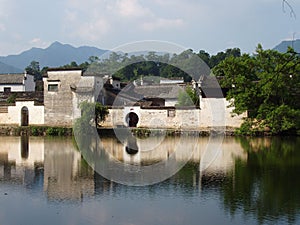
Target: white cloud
(37, 42)
(87, 21)
(162, 23)
(107, 23)
(98, 20)
(132, 8)
(94, 30)
(2, 27)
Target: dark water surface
(251, 181)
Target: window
(7, 89)
(53, 87)
(171, 113)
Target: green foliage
(129, 68)
(214, 60)
(11, 98)
(265, 184)
(100, 113)
(188, 97)
(52, 131)
(57, 131)
(267, 85)
(34, 69)
(91, 113)
(35, 131)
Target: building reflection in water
(57, 167)
(21, 160)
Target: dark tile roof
(165, 91)
(16, 78)
(64, 69)
(210, 82)
(210, 87)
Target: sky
(210, 25)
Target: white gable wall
(29, 83)
(13, 114)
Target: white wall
(29, 83)
(14, 87)
(171, 102)
(214, 113)
(13, 115)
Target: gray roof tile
(12, 78)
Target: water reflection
(20, 163)
(255, 179)
(24, 146)
(266, 184)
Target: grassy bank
(35, 131)
(138, 132)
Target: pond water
(250, 181)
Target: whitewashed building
(148, 106)
(19, 82)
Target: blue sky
(197, 24)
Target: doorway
(24, 116)
(133, 119)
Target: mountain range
(58, 54)
(4, 68)
(283, 46)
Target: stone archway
(133, 119)
(24, 116)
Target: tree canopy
(267, 85)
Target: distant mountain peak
(4, 68)
(283, 46)
(56, 43)
(55, 55)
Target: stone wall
(59, 103)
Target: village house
(64, 90)
(133, 105)
(150, 105)
(20, 82)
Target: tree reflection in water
(267, 184)
(255, 179)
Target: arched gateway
(24, 116)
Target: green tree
(265, 184)
(91, 113)
(188, 97)
(204, 56)
(267, 85)
(34, 69)
(220, 56)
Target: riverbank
(6, 130)
(140, 132)
(35, 131)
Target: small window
(7, 90)
(171, 113)
(53, 87)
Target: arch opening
(132, 119)
(24, 116)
